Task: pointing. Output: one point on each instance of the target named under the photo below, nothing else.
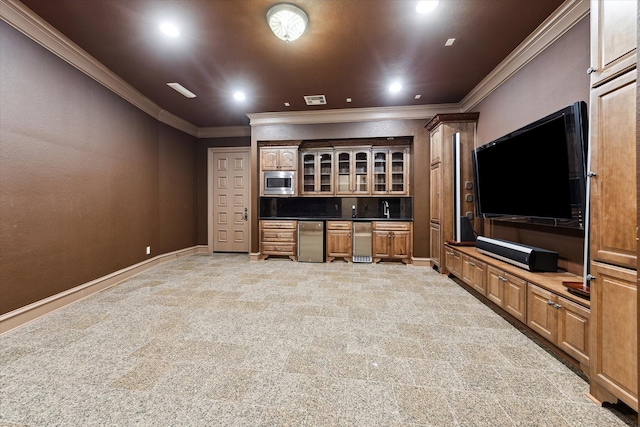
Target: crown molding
(352, 115)
(28, 23)
(562, 20)
(224, 131)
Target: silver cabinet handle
(472, 264)
(557, 306)
(549, 302)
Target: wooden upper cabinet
(353, 171)
(390, 171)
(317, 172)
(613, 159)
(613, 38)
(279, 158)
(436, 145)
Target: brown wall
(419, 183)
(554, 79)
(87, 181)
(203, 147)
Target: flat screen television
(536, 174)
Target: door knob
(246, 214)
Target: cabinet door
(478, 275)
(309, 171)
(468, 270)
(436, 145)
(453, 262)
(288, 159)
(339, 243)
(381, 244)
(614, 315)
(361, 172)
(401, 244)
(541, 316)
(380, 172)
(613, 38)
(495, 285)
(515, 297)
(343, 172)
(573, 329)
(434, 243)
(436, 192)
(399, 172)
(613, 188)
(325, 173)
(269, 159)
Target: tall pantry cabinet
(442, 128)
(613, 219)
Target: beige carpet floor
(216, 340)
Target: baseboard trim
(28, 313)
(421, 262)
(254, 256)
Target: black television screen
(536, 173)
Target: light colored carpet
(217, 340)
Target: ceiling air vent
(315, 100)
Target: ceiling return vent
(315, 100)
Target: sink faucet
(385, 209)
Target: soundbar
(527, 257)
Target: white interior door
(230, 197)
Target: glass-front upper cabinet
(390, 171)
(317, 172)
(353, 172)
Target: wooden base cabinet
(560, 321)
(278, 238)
(508, 292)
(392, 240)
(453, 261)
(614, 368)
(474, 274)
(339, 240)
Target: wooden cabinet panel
(613, 188)
(541, 316)
(278, 237)
(615, 337)
(453, 262)
(339, 240)
(515, 297)
(495, 287)
(613, 38)
(401, 244)
(573, 330)
(353, 171)
(434, 243)
(317, 172)
(436, 192)
(436, 145)
(474, 274)
(278, 158)
(390, 171)
(381, 244)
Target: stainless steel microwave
(279, 182)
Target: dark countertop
(334, 219)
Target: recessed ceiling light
(348, 99)
(239, 96)
(286, 104)
(395, 87)
(449, 42)
(178, 87)
(426, 6)
(417, 97)
(169, 29)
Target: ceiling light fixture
(287, 21)
(395, 87)
(169, 29)
(417, 97)
(179, 88)
(450, 42)
(286, 104)
(239, 96)
(426, 6)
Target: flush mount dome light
(426, 6)
(287, 21)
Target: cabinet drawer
(339, 225)
(278, 235)
(391, 226)
(278, 224)
(269, 248)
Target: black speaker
(463, 231)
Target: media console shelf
(539, 301)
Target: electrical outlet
(148, 250)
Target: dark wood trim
(452, 117)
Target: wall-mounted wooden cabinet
(317, 172)
(441, 129)
(613, 224)
(353, 171)
(278, 158)
(390, 171)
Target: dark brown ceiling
(352, 48)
